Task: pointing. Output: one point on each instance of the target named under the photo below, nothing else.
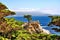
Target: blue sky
(45, 6)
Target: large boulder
(34, 27)
(45, 31)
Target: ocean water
(43, 20)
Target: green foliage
(10, 29)
(36, 37)
(22, 34)
(55, 20)
(4, 11)
(28, 17)
(14, 23)
(2, 38)
(2, 6)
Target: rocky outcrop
(56, 29)
(45, 31)
(55, 20)
(34, 27)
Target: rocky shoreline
(35, 27)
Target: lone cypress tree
(28, 17)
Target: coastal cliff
(34, 27)
(55, 20)
(11, 29)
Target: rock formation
(55, 20)
(34, 27)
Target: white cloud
(25, 9)
(52, 11)
(49, 11)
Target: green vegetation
(55, 18)
(28, 17)
(4, 11)
(2, 6)
(11, 29)
(24, 35)
(55, 21)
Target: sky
(44, 6)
